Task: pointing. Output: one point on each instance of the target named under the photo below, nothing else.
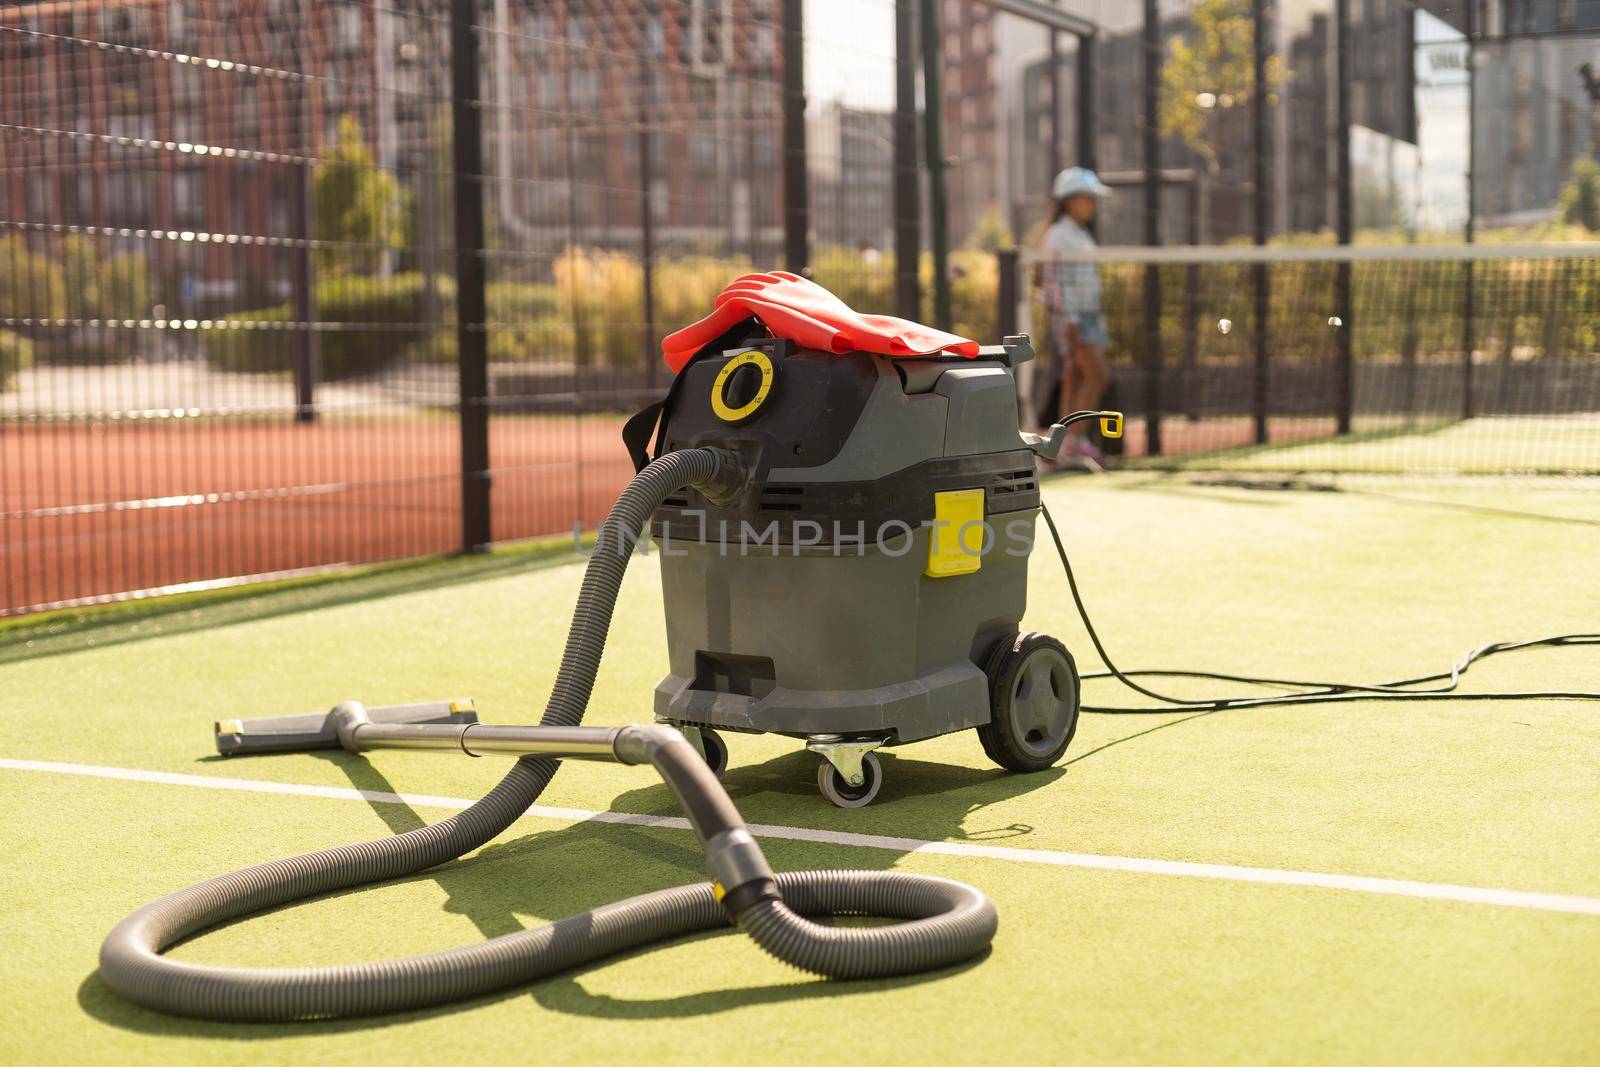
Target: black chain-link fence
(287, 284)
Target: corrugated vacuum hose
(944, 922)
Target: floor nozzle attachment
(320, 730)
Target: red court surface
(94, 509)
(90, 510)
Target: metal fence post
(933, 145)
(302, 271)
(647, 227)
(1053, 72)
(1189, 393)
(907, 178)
(1469, 297)
(1086, 119)
(1344, 372)
(1152, 225)
(796, 189)
(472, 343)
(1263, 214)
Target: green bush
(375, 322)
(101, 286)
(868, 287)
(366, 324)
(526, 322)
(1399, 311)
(16, 353)
(600, 317)
(592, 314)
(32, 285)
(124, 288)
(1580, 200)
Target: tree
(101, 286)
(1211, 76)
(16, 354)
(124, 287)
(1580, 200)
(356, 204)
(80, 267)
(992, 234)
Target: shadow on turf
(562, 871)
(1130, 737)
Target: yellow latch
(955, 544)
(1111, 424)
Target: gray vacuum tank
(877, 563)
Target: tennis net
(1466, 358)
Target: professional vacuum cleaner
(867, 584)
(844, 539)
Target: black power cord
(1314, 692)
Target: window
(278, 221)
(764, 152)
(38, 203)
(86, 195)
(247, 111)
(710, 44)
(585, 90)
(702, 152)
(28, 44)
(142, 126)
(763, 41)
(189, 198)
(186, 82)
(549, 87)
(117, 26)
(350, 29)
(333, 91)
(550, 148)
(127, 197)
(182, 30)
(592, 153)
(186, 124)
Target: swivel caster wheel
(1033, 703)
(838, 789)
(713, 749)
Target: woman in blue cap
(1071, 295)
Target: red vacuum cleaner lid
(810, 316)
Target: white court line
(1508, 898)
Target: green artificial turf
(1089, 964)
(1493, 444)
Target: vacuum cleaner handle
(1048, 444)
(302, 733)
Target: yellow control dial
(738, 394)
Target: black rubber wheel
(833, 786)
(1033, 703)
(715, 751)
